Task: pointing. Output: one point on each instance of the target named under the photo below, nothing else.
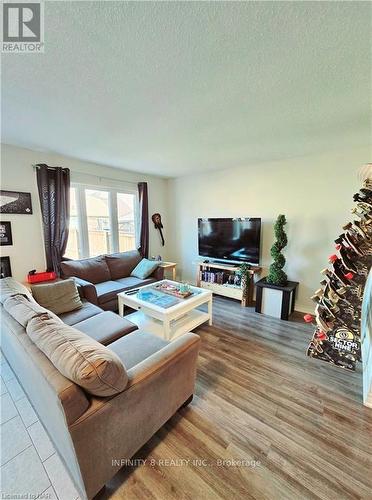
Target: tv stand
(214, 276)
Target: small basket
(38, 277)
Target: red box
(37, 277)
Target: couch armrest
(158, 387)
(87, 289)
(150, 368)
(158, 274)
(167, 355)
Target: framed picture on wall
(15, 202)
(6, 233)
(5, 269)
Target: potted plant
(245, 277)
(276, 274)
(275, 295)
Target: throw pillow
(59, 297)
(78, 357)
(122, 264)
(94, 270)
(144, 268)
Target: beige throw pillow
(78, 357)
(59, 297)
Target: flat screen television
(232, 240)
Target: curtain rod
(37, 166)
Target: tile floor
(30, 466)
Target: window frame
(82, 216)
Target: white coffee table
(167, 322)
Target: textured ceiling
(177, 87)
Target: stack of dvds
(337, 319)
(213, 277)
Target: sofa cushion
(23, 310)
(108, 290)
(145, 268)
(78, 357)
(59, 297)
(122, 264)
(94, 270)
(137, 346)
(132, 282)
(86, 311)
(106, 327)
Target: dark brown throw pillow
(94, 270)
(122, 264)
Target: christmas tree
(338, 311)
(276, 274)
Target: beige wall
(315, 194)
(17, 174)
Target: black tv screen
(234, 240)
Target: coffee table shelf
(178, 327)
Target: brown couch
(95, 435)
(102, 278)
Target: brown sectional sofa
(102, 278)
(93, 434)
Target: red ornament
(349, 276)
(308, 318)
(333, 258)
(321, 335)
(338, 247)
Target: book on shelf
(220, 278)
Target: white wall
(315, 194)
(17, 174)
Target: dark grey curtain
(54, 194)
(144, 219)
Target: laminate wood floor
(297, 425)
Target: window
(101, 221)
(98, 221)
(126, 221)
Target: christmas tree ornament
(365, 175)
(346, 261)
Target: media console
(215, 277)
